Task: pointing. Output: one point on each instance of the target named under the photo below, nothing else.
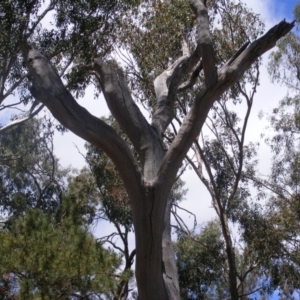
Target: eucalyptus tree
(284, 62)
(270, 231)
(225, 165)
(149, 179)
(101, 184)
(268, 261)
(200, 260)
(225, 158)
(219, 157)
(103, 181)
(281, 218)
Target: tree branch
(227, 76)
(48, 89)
(29, 116)
(122, 106)
(204, 41)
(256, 49)
(190, 83)
(166, 84)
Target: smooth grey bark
(168, 261)
(148, 184)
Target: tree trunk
(156, 271)
(170, 273)
(148, 224)
(230, 256)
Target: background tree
(45, 205)
(267, 260)
(42, 258)
(269, 231)
(279, 218)
(30, 175)
(47, 249)
(200, 261)
(220, 159)
(276, 254)
(225, 165)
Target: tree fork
(148, 186)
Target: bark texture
(149, 182)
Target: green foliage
(280, 220)
(83, 199)
(202, 264)
(297, 13)
(272, 231)
(30, 174)
(46, 249)
(114, 198)
(78, 32)
(225, 155)
(199, 260)
(284, 62)
(155, 38)
(41, 258)
(111, 191)
(154, 41)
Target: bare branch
(166, 87)
(40, 18)
(12, 88)
(250, 54)
(166, 84)
(237, 53)
(187, 211)
(252, 292)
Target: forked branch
(227, 76)
(48, 89)
(122, 106)
(167, 84)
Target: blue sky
(286, 7)
(273, 9)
